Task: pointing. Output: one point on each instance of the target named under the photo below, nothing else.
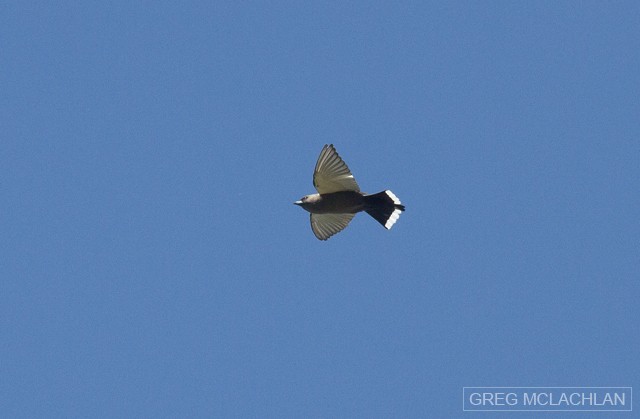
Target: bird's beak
(298, 202)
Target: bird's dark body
(344, 202)
(380, 206)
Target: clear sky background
(152, 262)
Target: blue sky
(153, 263)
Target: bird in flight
(339, 198)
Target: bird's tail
(385, 207)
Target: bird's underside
(339, 198)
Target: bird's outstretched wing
(326, 225)
(332, 174)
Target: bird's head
(308, 200)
